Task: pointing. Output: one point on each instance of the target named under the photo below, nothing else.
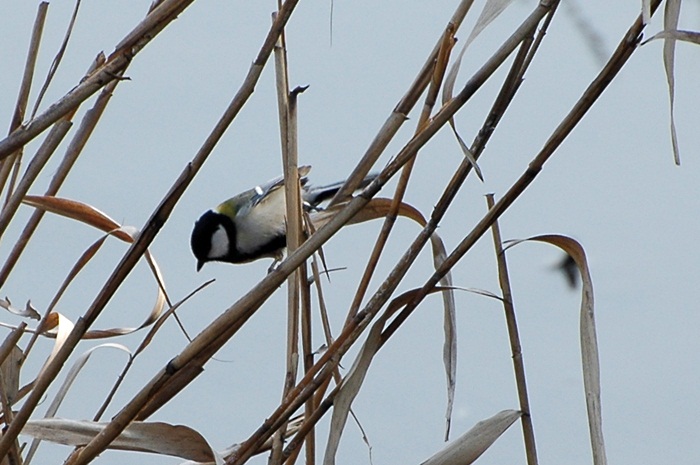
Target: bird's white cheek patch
(219, 243)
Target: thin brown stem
(514, 337)
(74, 149)
(438, 73)
(24, 89)
(133, 43)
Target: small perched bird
(252, 224)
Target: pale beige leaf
(468, 447)
(491, 10)
(153, 316)
(646, 11)
(589, 341)
(63, 328)
(685, 36)
(466, 151)
(449, 327)
(155, 437)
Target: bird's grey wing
(263, 190)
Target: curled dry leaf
(672, 14)
(351, 385)
(63, 326)
(28, 312)
(646, 11)
(589, 341)
(92, 216)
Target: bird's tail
(316, 195)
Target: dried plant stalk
(514, 336)
(25, 87)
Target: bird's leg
(277, 259)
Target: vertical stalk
(514, 337)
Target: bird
(252, 224)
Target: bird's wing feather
(263, 190)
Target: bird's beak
(200, 264)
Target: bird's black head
(210, 238)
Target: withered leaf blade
(156, 437)
(78, 211)
(10, 370)
(469, 447)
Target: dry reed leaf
(65, 387)
(63, 326)
(155, 437)
(28, 312)
(161, 319)
(92, 216)
(685, 36)
(646, 11)
(153, 316)
(78, 211)
(589, 342)
(671, 16)
(351, 386)
(492, 9)
(381, 207)
(468, 447)
(75, 369)
(449, 328)
(353, 380)
(9, 374)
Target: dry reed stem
(47, 148)
(592, 93)
(438, 72)
(293, 227)
(139, 247)
(24, 89)
(514, 337)
(352, 331)
(6, 348)
(57, 59)
(127, 263)
(308, 361)
(400, 113)
(129, 47)
(74, 149)
(506, 94)
(326, 404)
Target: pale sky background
(612, 185)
